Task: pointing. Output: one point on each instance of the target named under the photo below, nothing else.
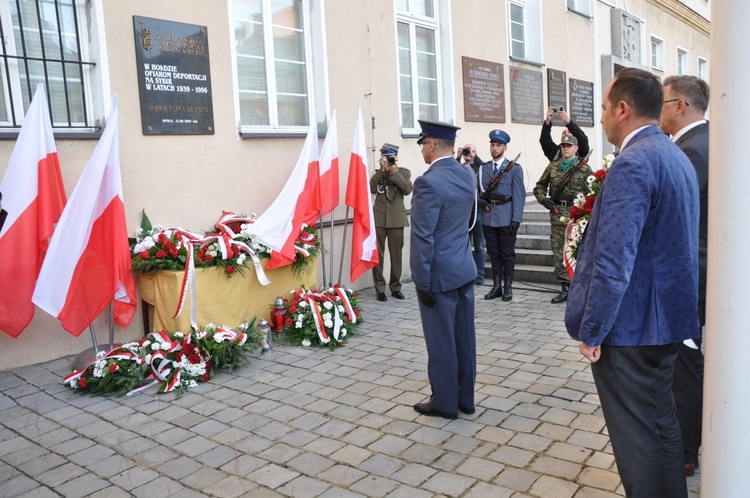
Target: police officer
(559, 202)
(390, 184)
(502, 217)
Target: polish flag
(312, 185)
(364, 242)
(34, 198)
(329, 169)
(279, 227)
(88, 263)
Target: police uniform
(501, 218)
(443, 272)
(547, 185)
(390, 219)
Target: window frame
(316, 84)
(577, 8)
(658, 42)
(532, 42)
(703, 68)
(414, 21)
(682, 66)
(92, 74)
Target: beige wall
(188, 180)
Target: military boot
(497, 287)
(562, 296)
(508, 290)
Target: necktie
(494, 168)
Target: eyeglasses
(675, 100)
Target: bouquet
(321, 317)
(583, 206)
(176, 361)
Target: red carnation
(288, 322)
(113, 368)
(144, 254)
(293, 308)
(161, 254)
(588, 206)
(600, 174)
(229, 269)
(83, 382)
(206, 377)
(576, 212)
(236, 251)
(178, 356)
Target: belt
(564, 203)
(500, 202)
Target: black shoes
(562, 296)
(397, 294)
(427, 410)
(497, 289)
(508, 290)
(381, 296)
(467, 411)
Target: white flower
(331, 290)
(165, 346)
(298, 325)
(213, 253)
(306, 343)
(302, 304)
(580, 200)
(148, 358)
(179, 334)
(328, 324)
(300, 317)
(563, 219)
(591, 179)
(73, 383)
(343, 332)
(340, 308)
(328, 305)
(327, 316)
(155, 346)
(146, 344)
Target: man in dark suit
(682, 116)
(632, 300)
(443, 272)
(390, 184)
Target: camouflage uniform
(545, 187)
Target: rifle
(567, 177)
(496, 179)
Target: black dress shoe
(397, 294)
(381, 296)
(467, 411)
(426, 409)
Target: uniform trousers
(501, 247)
(480, 251)
(450, 336)
(635, 390)
(395, 237)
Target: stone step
(532, 242)
(535, 274)
(534, 257)
(534, 215)
(534, 228)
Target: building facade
(222, 128)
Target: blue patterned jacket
(636, 279)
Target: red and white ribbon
(339, 290)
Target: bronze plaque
(526, 98)
(582, 102)
(557, 93)
(484, 91)
(174, 79)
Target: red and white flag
(279, 227)
(88, 263)
(329, 169)
(34, 198)
(364, 242)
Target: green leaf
(145, 222)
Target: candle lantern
(265, 332)
(277, 315)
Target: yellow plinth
(219, 300)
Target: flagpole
(111, 325)
(343, 241)
(331, 253)
(322, 247)
(87, 356)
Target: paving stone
(480, 468)
(304, 487)
(515, 457)
(342, 475)
(350, 454)
(599, 478)
(414, 474)
(110, 466)
(552, 487)
(310, 463)
(555, 467)
(448, 484)
(390, 445)
(58, 475)
(82, 486)
(203, 478)
(588, 440)
(518, 479)
(232, 486)
(133, 478)
(18, 485)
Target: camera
(558, 109)
(465, 152)
(391, 160)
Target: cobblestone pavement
(313, 422)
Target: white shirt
(687, 129)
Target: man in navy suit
(682, 116)
(443, 271)
(632, 299)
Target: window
(682, 63)
(525, 30)
(657, 53)
(45, 41)
(273, 69)
(582, 7)
(702, 68)
(419, 86)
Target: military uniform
(390, 219)
(545, 187)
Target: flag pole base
(84, 359)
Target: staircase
(533, 253)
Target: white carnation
(328, 305)
(328, 323)
(298, 325)
(306, 343)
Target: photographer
(468, 156)
(390, 184)
(551, 149)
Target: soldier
(502, 217)
(390, 184)
(556, 189)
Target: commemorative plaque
(484, 91)
(557, 91)
(582, 102)
(174, 79)
(526, 96)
